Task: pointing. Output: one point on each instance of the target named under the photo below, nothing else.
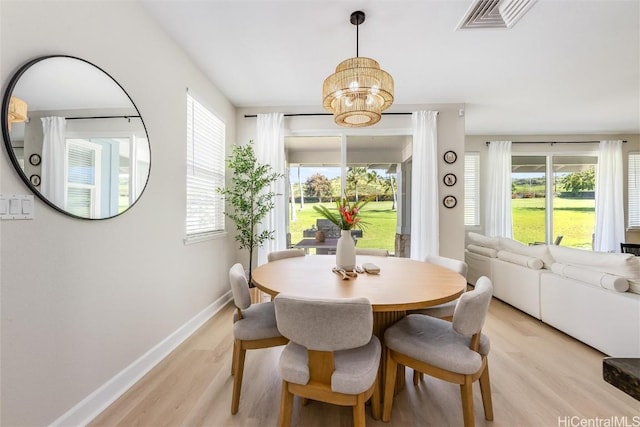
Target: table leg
(381, 321)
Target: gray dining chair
(451, 351)
(372, 251)
(332, 355)
(254, 326)
(283, 254)
(442, 311)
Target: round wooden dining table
(402, 284)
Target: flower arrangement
(347, 217)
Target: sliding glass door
(528, 194)
(574, 203)
(370, 166)
(556, 207)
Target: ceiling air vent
(494, 13)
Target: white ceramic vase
(346, 251)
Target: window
(205, 171)
(553, 196)
(634, 189)
(105, 172)
(472, 189)
(82, 187)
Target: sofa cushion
(527, 261)
(488, 252)
(623, 265)
(535, 251)
(598, 278)
(487, 242)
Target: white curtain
(53, 160)
(497, 216)
(425, 204)
(269, 147)
(609, 199)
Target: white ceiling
(62, 83)
(568, 66)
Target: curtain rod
(103, 117)
(324, 114)
(554, 142)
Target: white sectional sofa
(592, 296)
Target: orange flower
(347, 217)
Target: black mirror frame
(7, 140)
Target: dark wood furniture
(623, 373)
(630, 248)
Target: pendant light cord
(357, 40)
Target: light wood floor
(539, 376)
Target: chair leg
(236, 346)
(417, 377)
(485, 390)
(237, 378)
(375, 400)
(359, 419)
(286, 406)
(466, 393)
(389, 386)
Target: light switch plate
(16, 206)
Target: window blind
(471, 189)
(83, 180)
(205, 170)
(81, 164)
(634, 189)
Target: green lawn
(573, 218)
(379, 232)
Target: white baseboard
(91, 406)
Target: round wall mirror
(75, 137)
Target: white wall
(478, 143)
(450, 137)
(81, 300)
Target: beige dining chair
(332, 355)
(441, 311)
(451, 351)
(444, 311)
(254, 326)
(372, 251)
(286, 253)
(275, 256)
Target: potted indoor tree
(249, 197)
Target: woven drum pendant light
(359, 91)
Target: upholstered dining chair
(254, 326)
(372, 251)
(286, 253)
(441, 311)
(332, 355)
(444, 311)
(275, 256)
(451, 351)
